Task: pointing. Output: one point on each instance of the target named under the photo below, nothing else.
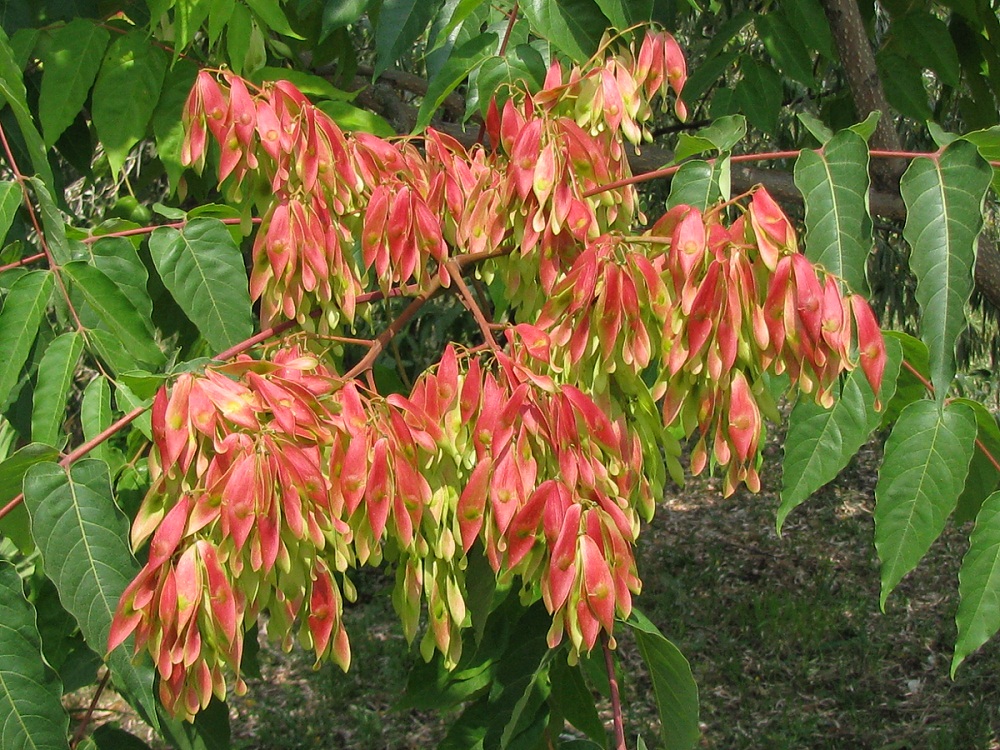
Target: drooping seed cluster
(273, 478)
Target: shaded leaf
(95, 414)
(922, 474)
(820, 442)
(31, 712)
(927, 42)
(15, 525)
(53, 222)
(785, 46)
(461, 62)
(904, 85)
(810, 23)
(626, 13)
(55, 375)
(270, 12)
(19, 320)
(834, 183)
(573, 699)
(978, 616)
(759, 94)
(168, 128)
(10, 200)
(203, 270)
(400, 22)
(71, 64)
(984, 477)
(721, 136)
(573, 26)
(83, 539)
(117, 259)
(126, 93)
(115, 311)
(944, 200)
(673, 684)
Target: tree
(522, 462)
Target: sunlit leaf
(55, 375)
(203, 270)
(573, 26)
(71, 64)
(19, 320)
(31, 713)
(10, 200)
(944, 199)
(978, 616)
(13, 92)
(922, 474)
(83, 539)
(834, 183)
(820, 442)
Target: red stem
(616, 702)
(22, 262)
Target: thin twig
(23, 262)
(616, 701)
(471, 305)
(87, 717)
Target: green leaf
(834, 183)
(340, 13)
(95, 414)
(71, 64)
(707, 75)
(785, 47)
(108, 737)
(456, 11)
(626, 13)
(909, 387)
(168, 128)
(22, 313)
(983, 477)
(31, 712)
(904, 86)
(866, 128)
(573, 26)
(922, 474)
(978, 616)
(15, 525)
(720, 136)
(238, 34)
(759, 94)
(944, 199)
(816, 127)
(13, 92)
(203, 269)
(270, 12)
(928, 43)
(461, 62)
(699, 184)
(810, 23)
(10, 200)
(126, 93)
(308, 83)
(820, 441)
(55, 376)
(673, 684)
(115, 311)
(83, 539)
(988, 143)
(573, 699)
(53, 222)
(400, 22)
(117, 259)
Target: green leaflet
(820, 441)
(19, 320)
(978, 616)
(10, 201)
(95, 414)
(927, 41)
(721, 136)
(983, 477)
(115, 311)
(203, 269)
(71, 66)
(922, 474)
(53, 222)
(573, 26)
(126, 92)
(699, 184)
(15, 525)
(168, 127)
(759, 94)
(55, 375)
(626, 13)
(13, 92)
(31, 712)
(944, 199)
(785, 47)
(83, 539)
(400, 22)
(572, 698)
(834, 183)
(117, 259)
(673, 684)
(461, 62)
